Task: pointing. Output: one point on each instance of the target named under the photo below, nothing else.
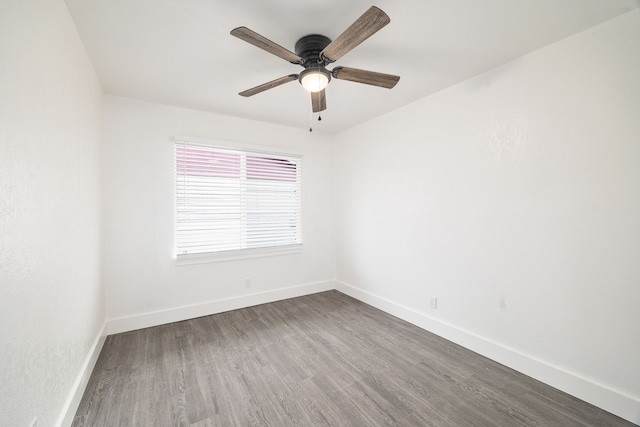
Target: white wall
(521, 184)
(52, 302)
(144, 286)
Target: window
(232, 200)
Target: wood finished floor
(319, 360)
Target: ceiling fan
(314, 52)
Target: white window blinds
(230, 200)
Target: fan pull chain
(319, 112)
(311, 113)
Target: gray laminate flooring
(317, 360)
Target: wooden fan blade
(367, 77)
(319, 101)
(367, 25)
(243, 33)
(269, 85)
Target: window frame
(234, 254)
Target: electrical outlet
(433, 302)
(34, 422)
(247, 282)
(502, 302)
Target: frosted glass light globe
(314, 80)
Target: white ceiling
(180, 52)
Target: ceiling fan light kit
(314, 52)
(314, 79)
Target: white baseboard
(599, 395)
(155, 318)
(80, 384)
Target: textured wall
(139, 210)
(51, 304)
(513, 197)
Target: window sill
(236, 255)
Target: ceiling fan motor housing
(309, 48)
